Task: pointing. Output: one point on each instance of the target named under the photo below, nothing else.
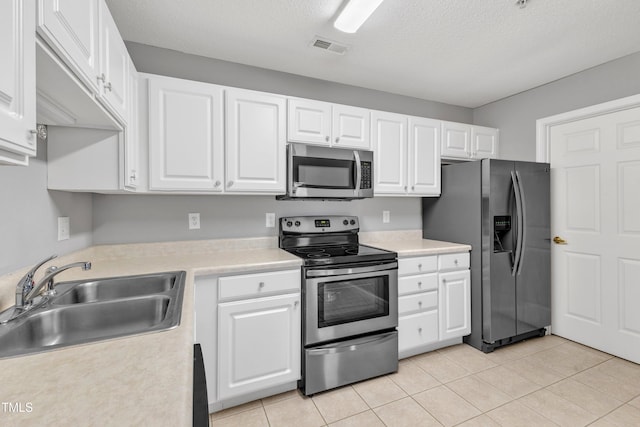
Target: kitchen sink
(88, 311)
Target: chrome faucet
(25, 285)
(47, 280)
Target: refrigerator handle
(523, 227)
(518, 248)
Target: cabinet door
(350, 127)
(256, 142)
(258, 344)
(185, 135)
(309, 121)
(424, 156)
(71, 28)
(456, 140)
(132, 139)
(17, 81)
(455, 305)
(389, 135)
(484, 142)
(417, 330)
(114, 64)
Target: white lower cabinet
(248, 326)
(433, 302)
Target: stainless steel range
(350, 302)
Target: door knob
(559, 240)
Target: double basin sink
(88, 311)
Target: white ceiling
(462, 52)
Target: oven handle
(356, 270)
(352, 345)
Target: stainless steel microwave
(315, 172)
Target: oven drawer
(417, 329)
(458, 261)
(255, 285)
(417, 265)
(418, 302)
(421, 283)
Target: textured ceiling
(462, 52)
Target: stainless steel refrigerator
(501, 209)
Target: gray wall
(135, 218)
(516, 116)
(29, 216)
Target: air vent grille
(329, 45)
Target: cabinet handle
(337, 139)
(108, 86)
(419, 284)
(420, 303)
(326, 138)
(419, 266)
(455, 261)
(133, 175)
(229, 184)
(295, 303)
(217, 184)
(102, 78)
(419, 330)
(405, 188)
(261, 285)
(413, 188)
(444, 280)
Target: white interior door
(595, 199)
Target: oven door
(346, 301)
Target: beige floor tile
(440, 367)
(412, 379)
(235, 410)
(479, 393)
(282, 396)
(570, 358)
(524, 348)
(251, 418)
(621, 390)
(532, 369)
(621, 369)
(341, 403)
(481, 421)
(365, 419)
(587, 398)
(635, 402)
(405, 413)
(510, 382)
(378, 391)
(446, 406)
(557, 409)
(624, 416)
(472, 359)
(515, 414)
(294, 413)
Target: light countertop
(146, 378)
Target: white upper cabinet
(309, 121)
(323, 123)
(17, 81)
(255, 142)
(407, 154)
(462, 141)
(389, 135)
(70, 27)
(351, 127)
(186, 146)
(114, 64)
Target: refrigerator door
(533, 276)
(498, 282)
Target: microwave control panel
(366, 174)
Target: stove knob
(297, 223)
(289, 223)
(353, 222)
(345, 222)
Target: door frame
(543, 126)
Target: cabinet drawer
(417, 329)
(458, 261)
(420, 283)
(252, 285)
(409, 266)
(419, 302)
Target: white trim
(543, 126)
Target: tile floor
(546, 381)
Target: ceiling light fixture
(354, 14)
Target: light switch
(63, 228)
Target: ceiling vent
(329, 45)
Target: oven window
(352, 300)
(314, 172)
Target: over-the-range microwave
(328, 173)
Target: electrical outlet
(63, 228)
(270, 220)
(194, 221)
(386, 217)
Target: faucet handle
(26, 283)
(31, 272)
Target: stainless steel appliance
(500, 208)
(328, 173)
(350, 302)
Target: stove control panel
(319, 224)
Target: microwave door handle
(356, 154)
